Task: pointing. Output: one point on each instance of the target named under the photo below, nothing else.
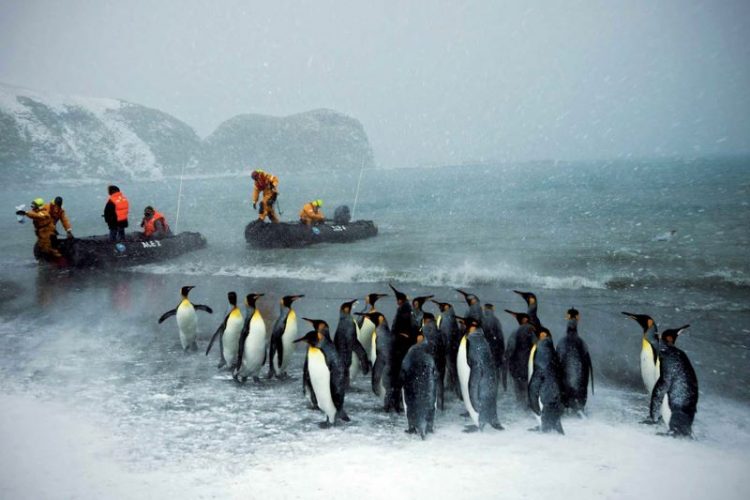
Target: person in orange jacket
(44, 227)
(116, 213)
(267, 184)
(154, 225)
(57, 212)
(311, 213)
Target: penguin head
(670, 336)
(312, 338)
(373, 316)
(346, 307)
(251, 298)
(489, 307)
(232, 298)
(470, 298)
(418, 302)
(443, 306)
(428, 318)
(287, 300)
(529, 297)
(522, 318)
(318, 324)
(543, 333)
(644, 320)
(572, 314)
(471, 324)
(400, 296)
(186, 290)
(373, 297)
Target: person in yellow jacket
(311, 213)
(267, 184)
(44, 227)
(57, 212)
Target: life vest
(121, 206)
(150, 227)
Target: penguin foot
(411, 430)
(649, 421)
(538, 428)
(470, 429)
(324, 425)
(256, 379)
(497, 426)
(221, 365)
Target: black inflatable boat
(94, 251)
(295, 234)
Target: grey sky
(432, 82)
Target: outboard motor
(342, 215)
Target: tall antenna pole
(359, 182)
(179, 199)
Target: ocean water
(82, 350)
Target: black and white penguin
(493, 331)
(405, 330)
(575, 362)
(531, 303)
(517, 354)
(252, 345)
(228, 334)
(649, 349)
(419, 381)
(477, 376)
(678, 382)
(326, 376)
(323, 329)
(187, 322)
(283, 335)
(451, 333)
(384, 371)
(366, 330)
(437, 347)
(545, 386)
(346, 342)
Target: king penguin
(517, 355)
(418, 379)
(575, 362)
(678, 382)
(384, 370)
(346, 342)
(545, 386)
(326, 376)
(187, 322)
(367, 329)
(478, 377)
(322, 328)
(435, 346)
(283, 335)
(252, 344)
(451, 333)
(417, 303)
(493, 331)
(229, 334)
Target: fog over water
(432, 82)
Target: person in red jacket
(268, 184)
(116, 213)
(154, 225)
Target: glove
(20, 212)
(70, 233)
(255, 206)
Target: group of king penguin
(421, 356)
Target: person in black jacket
(116, 213)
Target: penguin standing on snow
(575, 361)
(493, 331)
(649, 349)
(405, 331)
(187, 322)
(252, 345)
(679, 383)
(545, 387)
(326, 376)
(531, 304)
(418, 378)
(520, 343)
(322, 328)
(478, 377)
(283, 335)
(228, 334)
(437, 348)
(366, 330)
(346, 342)
(385, 370)
(451, 334)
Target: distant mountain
(64, 137)
(315, 139)
(73, 137)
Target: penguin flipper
(243, 337)
(362, 355)
(591, 370)
(377, 374)
(216, 334)
(201, 307)
(474, 378)
(167, 314)
(534, 387)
